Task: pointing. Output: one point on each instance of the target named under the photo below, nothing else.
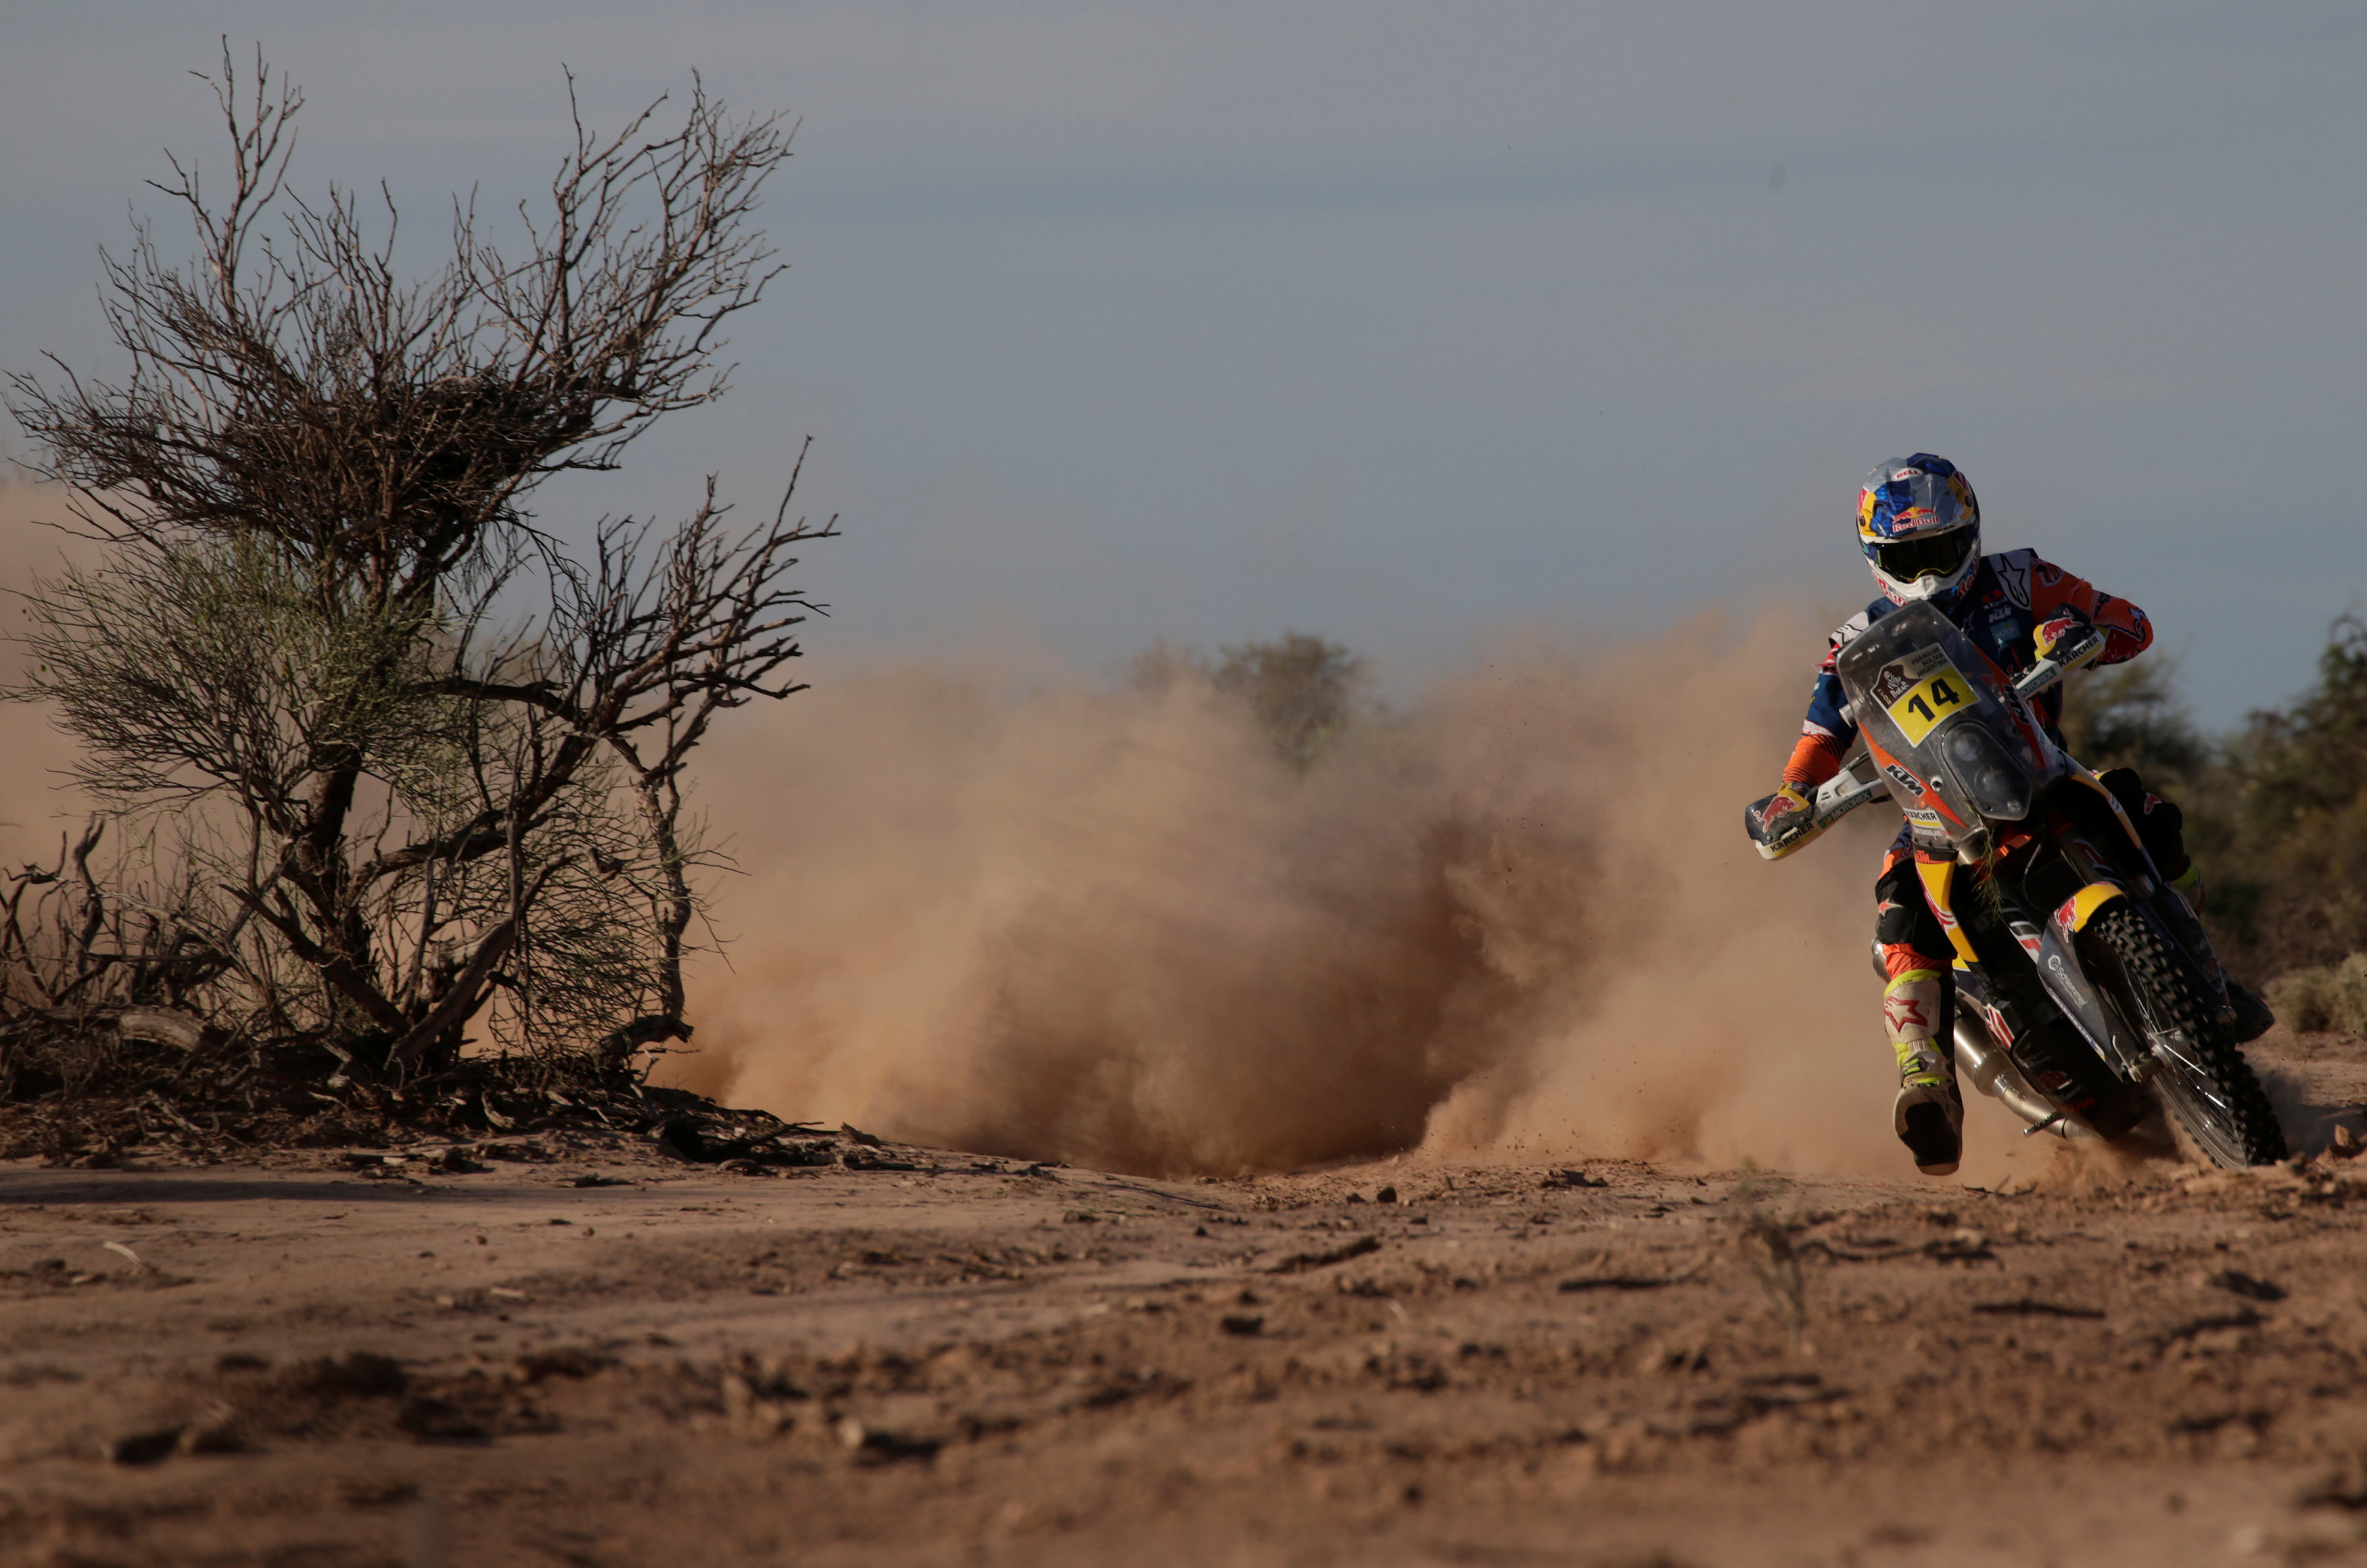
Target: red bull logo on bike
(2080, 907)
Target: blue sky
(1402, 322)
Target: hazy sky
(1396, 321)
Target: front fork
(2187, 926)
(2185, 922)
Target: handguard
(1858, 782)
(2077, 654)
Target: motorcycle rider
(1919, 525)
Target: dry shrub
(2332, 996)
(377, 763)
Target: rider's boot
(2252, 1016)
(1928, 1115)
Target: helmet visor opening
(1933, 555)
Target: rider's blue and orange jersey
(2002, 607)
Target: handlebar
(1858, 782)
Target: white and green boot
(1928, 1115)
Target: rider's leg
(2161, 826)
(1918, 999)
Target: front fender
(2081, 907)
(2110, 1031)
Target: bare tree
(389, 760)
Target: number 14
(1943, 693)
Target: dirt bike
(2086, 995)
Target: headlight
(1993, 784)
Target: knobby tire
(2172, 995)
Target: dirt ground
(582, 1353)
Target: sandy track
(965, 1362)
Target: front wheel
(2204, 1081)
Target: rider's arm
(1824, 737)
(2056, 595)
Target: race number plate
(1927, 702)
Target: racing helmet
(1919, 527)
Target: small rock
(376, 1493)
(356, 1374)
(2248, 1285)
(215, 1432)
(143, 1448)
(1243, 1323)
(435, 1421)
(1385, 1195)
(2345, 1486)
(567, 1363)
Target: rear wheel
(2203, 1079)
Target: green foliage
(2129, 716)
(2276, 810)
(2298, 797)
(1305, 691)
(203, 663)
(215, 684)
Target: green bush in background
(2276, 810)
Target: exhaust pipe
(1991, 1071)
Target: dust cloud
(36, 808)
(1057, 921)
(1520, 920)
